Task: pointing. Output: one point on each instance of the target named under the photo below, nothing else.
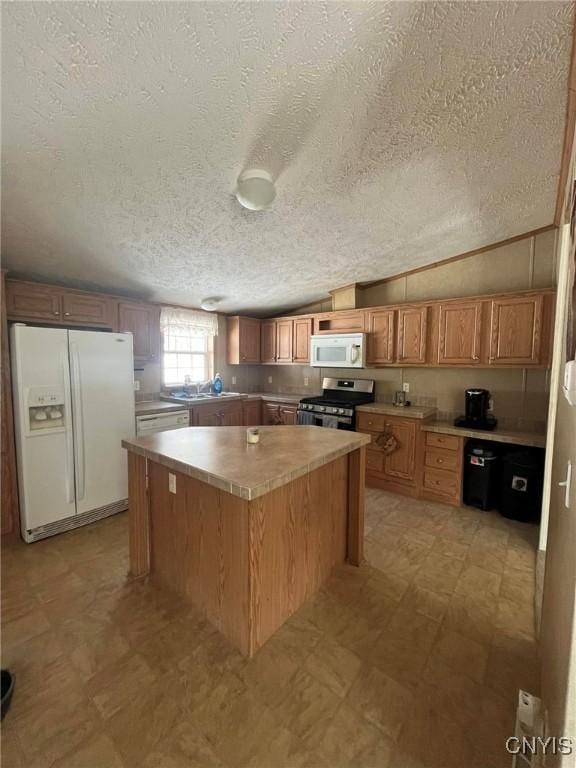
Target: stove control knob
(340, 410)
(321, 408)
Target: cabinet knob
(476, 357)
(440, 461)
(67, 314)
(56, 313)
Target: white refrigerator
(73, 404)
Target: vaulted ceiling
(399, 134)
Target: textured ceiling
(399, 133)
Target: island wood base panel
(247, 565)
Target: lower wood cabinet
(274, 413)
(218, 414)
(252, 413)
(396, 470)
(443, 467)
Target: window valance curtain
(173, 320)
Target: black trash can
(481, 466)
(521, 483)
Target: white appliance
(343, 350)
(73, 404)
(147, 424)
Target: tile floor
(411, 661)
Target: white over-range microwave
(343, 350)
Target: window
(188, 346)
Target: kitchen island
(246, 532)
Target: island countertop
(221, 457)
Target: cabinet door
(207, 416)
(284, 341)
(27, 301)
(459, 333)
(87, 309)
(412, 324)
(252, 413)
(143, 322)
(270, 413)
(302, 330)
(231, 415)
(516, 331)
(288, 414)
(249, 340)
(380, 336)
(402, 462)
(268, 341)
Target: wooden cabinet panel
(438, 459)
(412, 324)
(516, 330)
(401, 463)
(218, 414)
(243, 342)
(30, 301)
(9, 483)
(370, 422)
(375, 460)
(380, 336)
(284, 341)
(252, 413)
(288, 414)
(340, 322)
(88, 309)
(302, 331)
(270, 413)
(443, 483)
(447, 442)
(459, 333)
(143, 322)
(268, 341)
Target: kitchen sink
(198, 397)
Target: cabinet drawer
(439, 459)
(375, 461)
(373, 422)
(448, 442)
(445, 483)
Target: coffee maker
(477, 405)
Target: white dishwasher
(160, 422)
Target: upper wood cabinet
(352, 321)
(33, 301)
(243, 340)
(268, 341)
(88, 309)
(459, 333)
(380, 336)
(284, 330)
(50, 304)
(516, 330)
(302, 331)
(143, 322)
(412, 325)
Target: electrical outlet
(305, 381)
(136, 385)
(233, 381)
(406, 387)
(171, 482)
(269, 379)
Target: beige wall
(518, 393)
(558, 624)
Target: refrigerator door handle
(78, 421)
(68, 434)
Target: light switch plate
(306, 381)
(406, 387)
(136, 385)
(269, 379)
(233, 381)
(171, 482)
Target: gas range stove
(336, 406)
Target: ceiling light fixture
(211, 303)
(255, 190)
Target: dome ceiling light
(211, 303)
(255, 190)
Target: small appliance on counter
(400, 399)
(478, 403)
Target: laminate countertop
(406, 412)
(221, 457)
(146, 407)
(498, 435)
